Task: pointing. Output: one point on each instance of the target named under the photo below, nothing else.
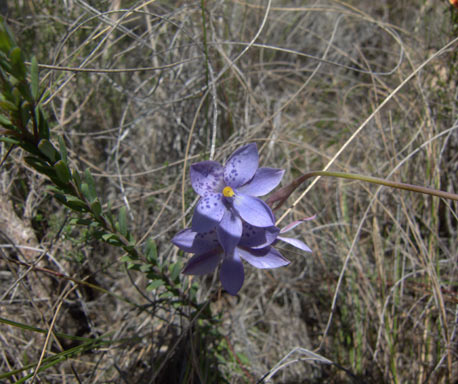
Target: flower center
(228, 192)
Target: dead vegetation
(140, 90)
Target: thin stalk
(282, 194)
(387, 183)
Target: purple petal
(205, 242)
(202, 264)
(194, 242)
(258, 237)
(232, 274)
(184, 239)
(253, 210)
(294, 224)
(269, 258)
(229, 231)
(207, 177)
(296, 243)
(208, 213)
(241, 166)
(264, 180)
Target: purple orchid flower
(254, 246)
(229, 195)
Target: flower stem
(282, 194)
(387, 183)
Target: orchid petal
(241, 166)
(264, 180)
(229, 231)
(253, 210)
(203, 263)
(205, 242)
(269, 258)
(185, 239)
(258, 237)
(207, 177)
(296, 243)
(294, 224)
(195, 242)
(232, 274)
(208, 213)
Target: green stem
(386, 183)
(282, 194)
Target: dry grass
(154, 88)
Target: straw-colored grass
(142, 89)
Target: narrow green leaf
(75, 203)
(132, 240)
(8, 106)
(129, 249)
(78, 221)
(40, 166)
(73, 206)
(43, 126)
(8, 35)
(30, 148)
(145, 268)
(122, 221)
(111, 238)
(154, 284)
(24, 111)
(9, 140)
(151, 251)
(126, 259)
(34, 78)
(5, 121)
(92, 194)
(76, 178)
(96, 207)
(61, 198)
(47, 149)
(17, 63)
(62, 149)
(109, 214)
(108, 236)
(134, 266)
(53, 189)
(4, 65)
(85, 190)
(166, 295)
(175, 271)
(5, 44)
(63, 173)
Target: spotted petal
(207, 177)
(264, 180)
(257, 237)
(202, 264)
(296, 243)
(208, 213)
(265, 258)
(229, 231)
(241, 166)
(253, 210)
(205, 242)
(232, 275)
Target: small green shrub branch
(24, 124)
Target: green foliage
(26, 126)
